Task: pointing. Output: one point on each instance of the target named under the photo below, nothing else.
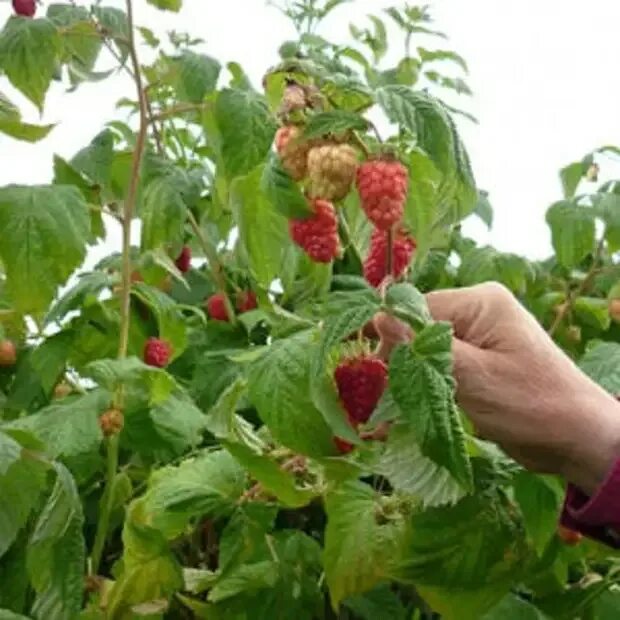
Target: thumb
(457, 306)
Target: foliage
(213, 487)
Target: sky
(542, 73)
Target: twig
(362, 145)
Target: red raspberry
(216, 307)
(343, 446)
(292, 151)
(25, 8)
(246, 301)
(184, 260)
(157, 352)
(360, 381)
(317, 235)
(111, 422)
(8, 353)
(375, 265)
(331, 170)
(568, 536)
(382, 186)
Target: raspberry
(25, 8)
(317, 235)
(62, 390)
(360, 381)
(293, 98)
(568, 536)
(157, 352)
(8, 353)
(111, 422)
(331, 169)
(184, 260)
(292, 151)
(382, 186)
(343, 446)
(216, 307)
(246, 301)
(375, 265)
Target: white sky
(542, 71)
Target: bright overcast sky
(542, 72)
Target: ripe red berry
(157, 352)
(343, 446)
(382, 186)
(216, 307)
(25, 8)
(360, 382)
(568, 536)
(317, 235)
(246, 301)
(111, 422)
(8, 353)
(375, 265)
(184, 260)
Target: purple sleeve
(598, 516)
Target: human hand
(519, 389)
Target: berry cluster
(216, 304)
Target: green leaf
(408, 304)
(43, 235)
(422, 385)
(441, 55)
(483, 209)
(540, 500)
(283, 193)
(68, 427)
(514, 608)
(245, 579)
(409, 471)
(167, 5)
(279, 388)
(572, 232)
(246, 127)
(24, 131)
(29, 52)
(5, 614)
(353, 515)
(206, 485)
(114, 22)
(274, 479)
(601, 363)
(571, 176)
(262, 230)
(607, 207)
(95, 160)
(593, 312)
(193, 75)
(56, 552)
(10, 452)
(381, 602)
(334, 122)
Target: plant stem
(128, 210)
(362, 145)
(585, 283)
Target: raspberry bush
(202, 426)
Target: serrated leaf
(43, 235)
(29, 51)
(95, 160)
(262, 231)
(279, 388)
(353, 516)
(247, 130)
(408, 304)
(10, 452)
(483, 209)
(422, 386)
(572, 232)
(269, 474)
(442, 55)
(114, 22)
(193, 75)
(514, 608)
(601, 363)
(382, 602)
(409, 471)
(56, 552)
(334, 122)
(24, 131)
(167, 5)
(283, 193)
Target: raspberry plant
(202, 426)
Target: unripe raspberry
(592, 173)
(293, 98)
(293, 151)
(111, 422)
(382, 186)
(375, 265)
(568, 536)
(216, 307)
(246, 301)
(317, 235)
(25, 8)
(614, 310)
(62, 390)
(361, 382)
(8, 353)
(184, 260)
(157, 352)
(331, 170)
